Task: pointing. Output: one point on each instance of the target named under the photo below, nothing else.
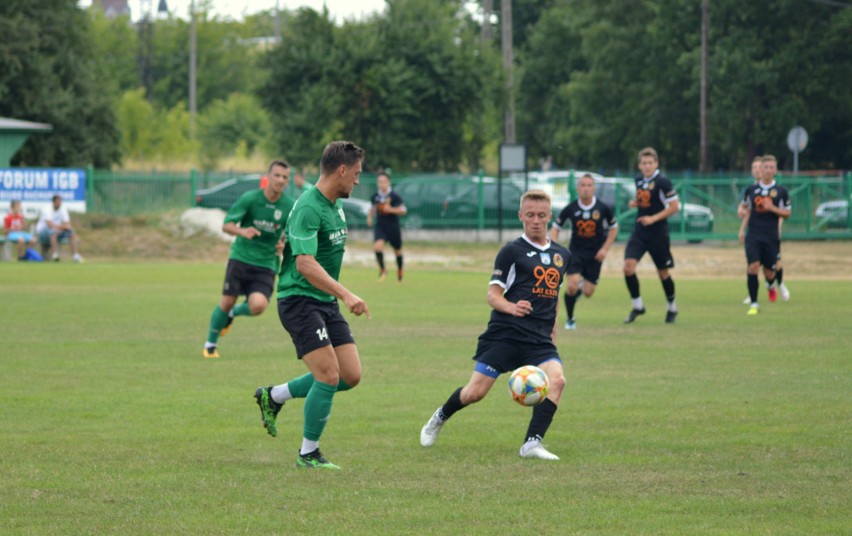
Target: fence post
(480, 194)
(90, 187)
(849, 200)
(192, 184)
(810, 206)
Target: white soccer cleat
(534, 449)
(747, 300)
(785, 294)
(430, 431)
(77, 258)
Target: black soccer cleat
(314, 460)
(670, 317)
(633, 314)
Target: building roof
(7, 123)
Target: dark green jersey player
(257, 220)
(318, 228)
(308, 290)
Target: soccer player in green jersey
(308, 290)
(257, 219)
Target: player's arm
(233, 229)
(744, 224)
(500, 304)
(370, 215)
(778, 211)
(554, 233)
(396, 206)
(399, 211)
(610, 238)
(316, 275)
(234, 216)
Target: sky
(340, 9)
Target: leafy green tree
(303, 90)
(137, 121)
(50, 76)
(238, 122)
(116, 44)
(627, 75)
(226, 64)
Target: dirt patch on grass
(164, 238)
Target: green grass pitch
(112, 423)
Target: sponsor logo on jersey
(586, 215)
(337, 237)
(531, 254)
(545, 258)
(277, 214)
(266, 226)
(557, 260)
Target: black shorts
(245, 279)
(584, 263)
(390, 234)
(313, 324)
(766, 251)
(498, 354)
(656, 244)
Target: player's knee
(351, 379)
(257, 308)
(473, 393)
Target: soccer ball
(528, 386)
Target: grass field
(112, 423)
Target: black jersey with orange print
(652, 196)
(528, 271)
(589, 225)
(761, 222)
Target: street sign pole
(797, 140)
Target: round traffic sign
(797, 139)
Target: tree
(227, 62)
(226, 125)
(52, 77)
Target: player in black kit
(655, 201)
(387, 208)
(593, 230)
(767, 203)
(524, 295)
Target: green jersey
(253, 209)
(316, 227)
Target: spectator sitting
(55, 225)
(14, 224)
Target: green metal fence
(708, 203)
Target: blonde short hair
(535, 195)
(769, 158)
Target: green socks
(318, 409)
(218, 320)
(242, 309)
(301, 386)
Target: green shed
(13, 134)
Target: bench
(7, 247)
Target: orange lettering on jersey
(761, 202)
(550, 277)
(586, 228)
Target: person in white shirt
(54, 225)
